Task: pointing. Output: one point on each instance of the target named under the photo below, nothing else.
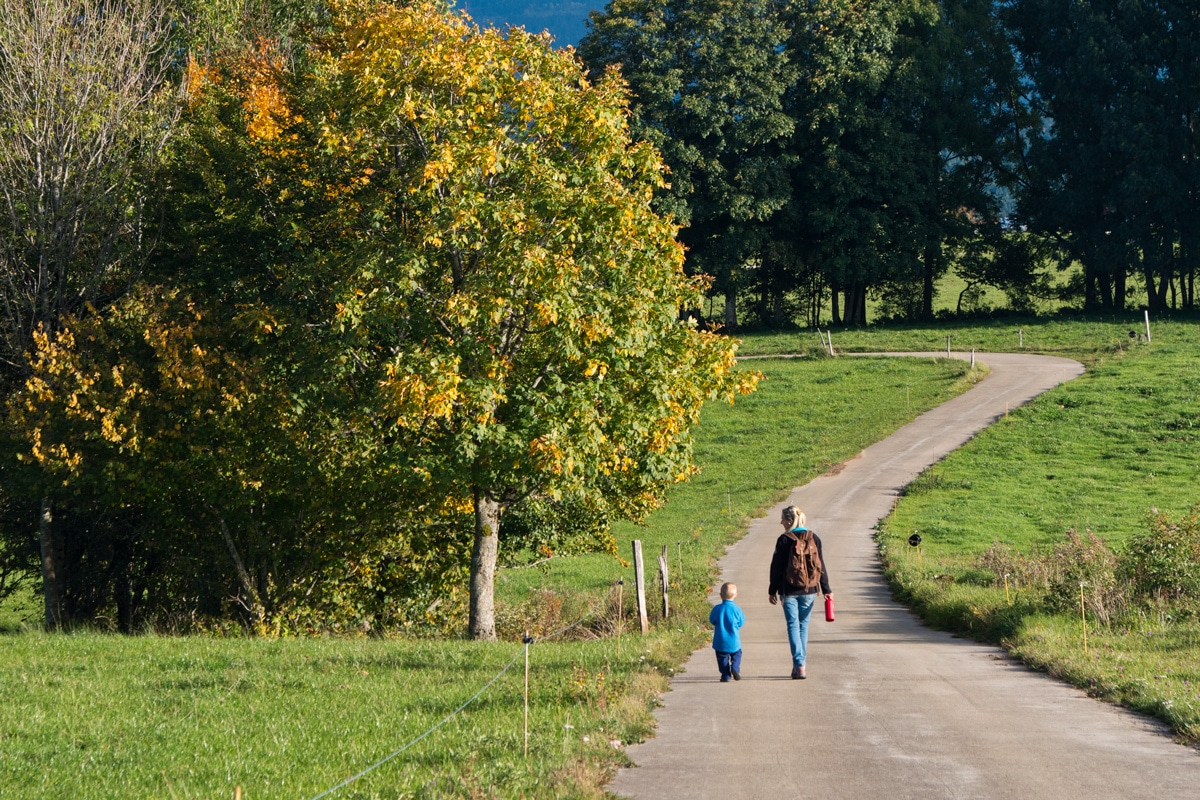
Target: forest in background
(827, 153)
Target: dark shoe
(803, 674)
(737, 676)
(797, 673)
(724, 679)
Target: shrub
(1163, 561)
(1022, 571)
(1091, 563)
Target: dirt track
(892, 709)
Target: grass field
(1097, 454)
(1085, 338)
(94, 715)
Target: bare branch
(86, 110)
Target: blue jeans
(729, 663)
(797, 608)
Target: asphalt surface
(892, 709)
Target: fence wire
(367, 770)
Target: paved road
(892, 709)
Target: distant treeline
(822, 151)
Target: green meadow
(97, 715)
(1097, 456)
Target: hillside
(563, 18)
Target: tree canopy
(821, 152)
(313, 307)
(413, 280)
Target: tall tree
(708, 80)
(1112, 172)
(513, 280)
(853, 153)
(943, 114)
(85, 110)
(437, 280)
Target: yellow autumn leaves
(426, 279)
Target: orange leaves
(264, 103)
(264, 107)
(197, 78)
(256, 77)
(548, 456)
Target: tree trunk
(933, 253)
(256, 607)
(777, 316)
(1106, 296)
(1090, 302)
(1151, 283)
(836, 313)
(1156, 270)
(856, 304)
(1166, 268)
(483, 567)
(51, 588)
(730, 310)
(1189, 249)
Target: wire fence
(753, 490)
(726, 512)
(526, 643)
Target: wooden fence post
(528, 640)
(620, 612)
(639, 577)
(662, 575)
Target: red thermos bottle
(829, 609)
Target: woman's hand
(774, 599)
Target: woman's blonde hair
(793, 518)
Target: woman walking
(797, 572)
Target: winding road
(892, 709)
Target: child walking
(727, 619)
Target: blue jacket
(726, 619)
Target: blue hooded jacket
(726, 619)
